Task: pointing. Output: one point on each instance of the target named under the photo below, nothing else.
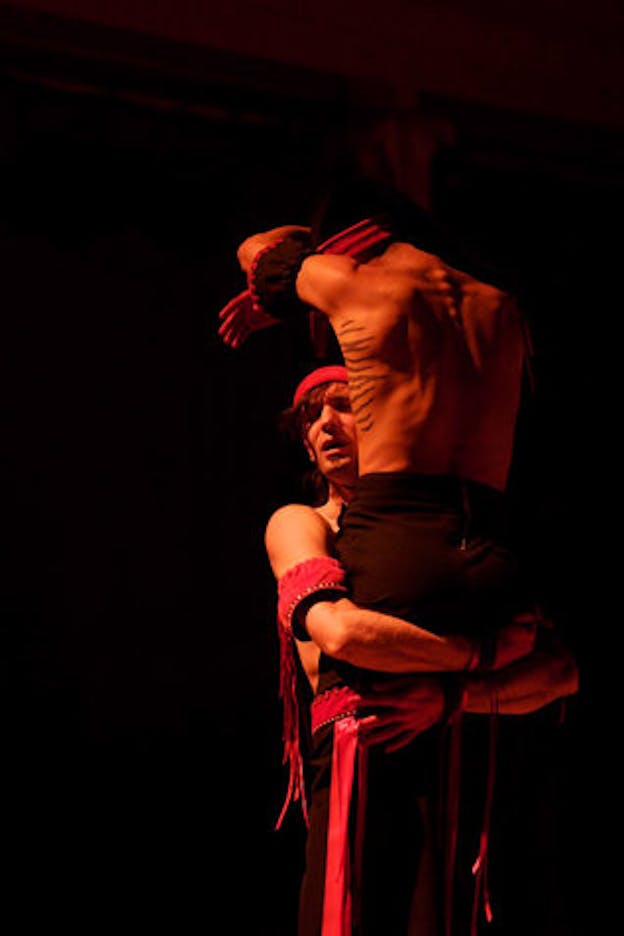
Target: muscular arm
(382, 642)
(324, 281)
(345, 631)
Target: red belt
(347, 710)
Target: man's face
(330, 438)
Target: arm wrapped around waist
(273, 275)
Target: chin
(340, 469)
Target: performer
(435, 361)
(434, 357)
(397, 891)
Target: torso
(435, 364)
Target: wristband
(273, 276)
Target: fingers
(227, 327)
(235, 304)
(239, 319)
(232, 334)
(234, 329)
(374, 733)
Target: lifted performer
(435, 359)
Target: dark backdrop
(141, 726)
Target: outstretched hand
(240, 318)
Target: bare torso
(434, 359)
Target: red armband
(320, 574)
(272, 276)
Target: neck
(339, 495)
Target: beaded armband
(316, 575)
(319, 574)
(273, 276)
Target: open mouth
(332, 445)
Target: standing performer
(301, 538)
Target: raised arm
(286, 281)
(324, 281)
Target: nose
(328, 414)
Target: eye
(341, 404)
(313, 410)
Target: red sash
(346, 710)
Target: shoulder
(295, 521)
(295, 512)
(294, 533)
(324, 279)
(332, 283)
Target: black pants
(431, 550)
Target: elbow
(336, 644)
(247, 251)
(329, 629)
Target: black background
(141, 726)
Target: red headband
(334, 373)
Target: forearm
(524, 686)
(381, 642)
